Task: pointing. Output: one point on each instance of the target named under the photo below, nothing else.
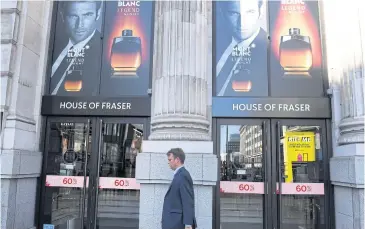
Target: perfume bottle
(241, 76)
(126, 54)
(73, 79)
(295, 52)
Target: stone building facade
(25, 51)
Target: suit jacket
(90, 67)
(256, 71)
(179, 205)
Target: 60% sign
(246, 187)
(121, 183)
(303, 188)
(69, 180)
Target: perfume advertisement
(296, 53)
(127, 42)
(77, 47)
(241, 44)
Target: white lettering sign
(95, 105)
(271, 107)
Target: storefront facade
(245, 88)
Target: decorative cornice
(351, 130)
(180, 127)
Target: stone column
(179, 107)
(345, 58)
(182, 62)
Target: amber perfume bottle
(241, 78)
(73, 79)
(295, 52)
(126, 54)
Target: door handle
(97, 175)
(85, 173)
(278, 154)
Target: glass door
(299, 174)
(89, 169)
(243, 164)
(117, 196)
(67, 167)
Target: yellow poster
(300, 146)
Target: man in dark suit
(179, 207)
(241, 49)
(75, 70)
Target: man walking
(179, 208)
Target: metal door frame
(277, 123)
(269, 143)
(266, 139)
(94, 158)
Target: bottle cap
(294, 31)
(127, 32)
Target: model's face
(80, 20)
(173, 162)
(243, 18)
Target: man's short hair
(177, 153)
(63, 4)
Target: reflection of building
(233, 147)
(251, 146)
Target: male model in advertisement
(77, 49)
(241, 49)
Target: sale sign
(242, 187)
(302, 189)
(118, 183)
(104, 182)
(65, 181)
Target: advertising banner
(296, 53)
(241, 44)
(127, 46)
(102, 48)
(77, 48)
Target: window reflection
(301, 176)
(241, 197)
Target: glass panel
(118, 198)
(242, 177)
(302, 178)
(66, 166)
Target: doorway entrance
(89, 173)
(273, 174)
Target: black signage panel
(96, 106)
(271, 107)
